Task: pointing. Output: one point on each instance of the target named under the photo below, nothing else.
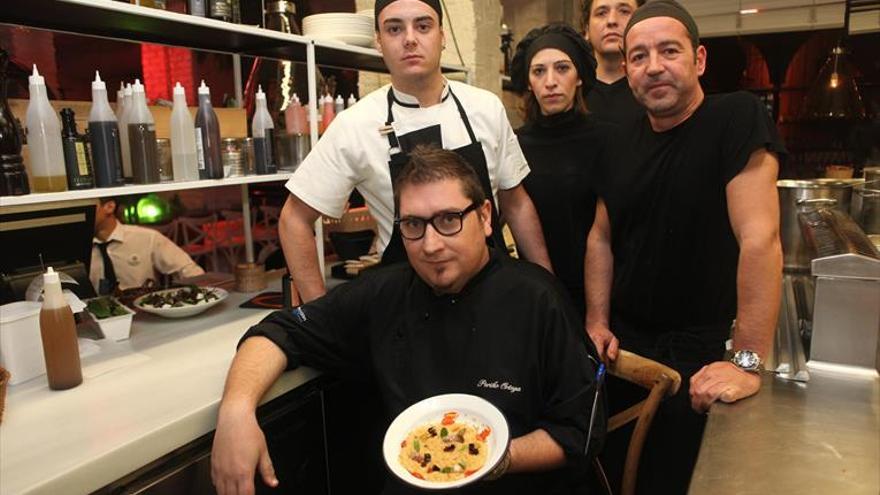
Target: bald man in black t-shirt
(686, 237)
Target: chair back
(661, 381)
(197, 237)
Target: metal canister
(247, 156)
(166, 172)
(794, 195)
(231, 155)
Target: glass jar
(166, 173)
(232, 157)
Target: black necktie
(107, 285)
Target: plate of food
(446, 441)
(180, 302)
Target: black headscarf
(665, 8)
(381, 4)
(561, 37)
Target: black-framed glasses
(447, 223)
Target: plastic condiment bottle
(293, 117)
(76, 153)
(142, 138)
(123, 132)
(351, 100)
(207, 135)
(263, 133)
(338, 105)
(44, 139)
(184, 163)
(120, 101)
(58, 332)
(104, 137)
(328, 113)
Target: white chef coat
(353, 154)
(137, 253)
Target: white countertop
(139, 400)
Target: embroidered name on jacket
(505, 386)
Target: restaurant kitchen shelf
(126, 22)
(36, 198)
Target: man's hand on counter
(724, 381)
(239, 449)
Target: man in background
(126, 256)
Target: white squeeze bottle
(123, 132)
(184, 163)
(44, 139)
(339, 104)
(263, 133)
(351, 100)
(120, 101)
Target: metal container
(232, 156)
(866, 208)
(166, 173)
(247, 156)
(291, 150)
(799, 194)
(872, 177)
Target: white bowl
(181, 311)
(471, 409)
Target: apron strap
(464, 118)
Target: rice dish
(445, 450)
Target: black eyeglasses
(447, 223)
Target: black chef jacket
(614, 102)
(562, 151)
(510, 337)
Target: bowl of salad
(113, 318)
(180, 302)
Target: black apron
(472, 154)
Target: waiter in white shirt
(126, 256)
(368, 144)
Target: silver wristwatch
(747, 361)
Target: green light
(152, 209)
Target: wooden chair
(265, 232)
(661, 381)
(197, 238)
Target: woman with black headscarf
(553, 69)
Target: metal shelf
(126, 22)
(35, 198)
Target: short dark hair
(587, 8)
(428, 164)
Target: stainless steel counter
(820, 437)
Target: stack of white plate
(354, 29)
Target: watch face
(747, 359)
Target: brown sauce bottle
(58, 332)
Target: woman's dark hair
(582, 59)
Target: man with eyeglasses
(459, 318)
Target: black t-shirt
(562, 151)
(675, 254)
(614, 102)
(509, 337)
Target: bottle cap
(51, 277)
(98, 83)
(127, 91)
(203, 89)
(178, 90)
(296, 100)
(339, 100)
(351, 99)
(36, 78)
(137, 87)
(260, 95)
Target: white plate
(351, 39)
(182, 311)
(471, 409)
